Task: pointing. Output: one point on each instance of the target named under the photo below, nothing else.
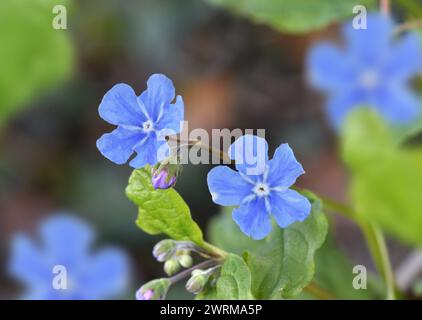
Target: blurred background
(231, 72)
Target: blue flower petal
(397, 104)
(173, 115)
(328, 67)
(227, 187)
(150, 151)
(405, 58)
(250, 154)
(284, 169)
(106, 274)
(120, 107)
(289, 206)
(253, 218)
(117, 145)
(341, 103)
(370, 44)
(66, 238)
(160, 92)
(28, 264)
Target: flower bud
(164, 250)
(154, 290)
(171, 266)
(185, 260)
(197, 281)
(162, 179)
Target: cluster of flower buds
(154, 290)
(200, 278)
(174, 254)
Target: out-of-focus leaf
(33, 55)
(334, 274)
(386, 178)
(161, 211)
(233, 283)
(295, 16)
(226, 234)
(284, 265)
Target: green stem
(186, 273)
(375, 241)
(318, 292)
(409, 25)
(198, 143)
(215, 252)
(378, 248)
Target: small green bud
(185, 260)
(154, 290)
(164, 250)
(171, 266)
(197, 281)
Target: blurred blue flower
(142, 122)
(62, 265)
(262, 194)
(373, 70)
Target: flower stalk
(375, 241)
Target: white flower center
(261, 189)
(147, 126)
(369, 79)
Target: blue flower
(142, 122)
(262, 194)
(62, 266)
(373, 70)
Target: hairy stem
(409, 25)
(198, 143)
(216, 252)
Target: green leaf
(295, 16)
(285, 262)
(33, 56)
(334, 274)
(161, 211)
(233, 283)
(386, 178)
(224, 233)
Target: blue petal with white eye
(250, 153)
(340, 104)
(374, 72)
(28, 262)
(106, 273)
(227, 187)
(61, 230)
(149, 151)
(288, 207)
(120, 106)
(328, 69)
(65, 242)
(397, 104)
(253, 219)
(284, 169)
(160, 92)
(370, 44)
(405, 58)
(143, 122)
(117, 146)
(171, 117)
